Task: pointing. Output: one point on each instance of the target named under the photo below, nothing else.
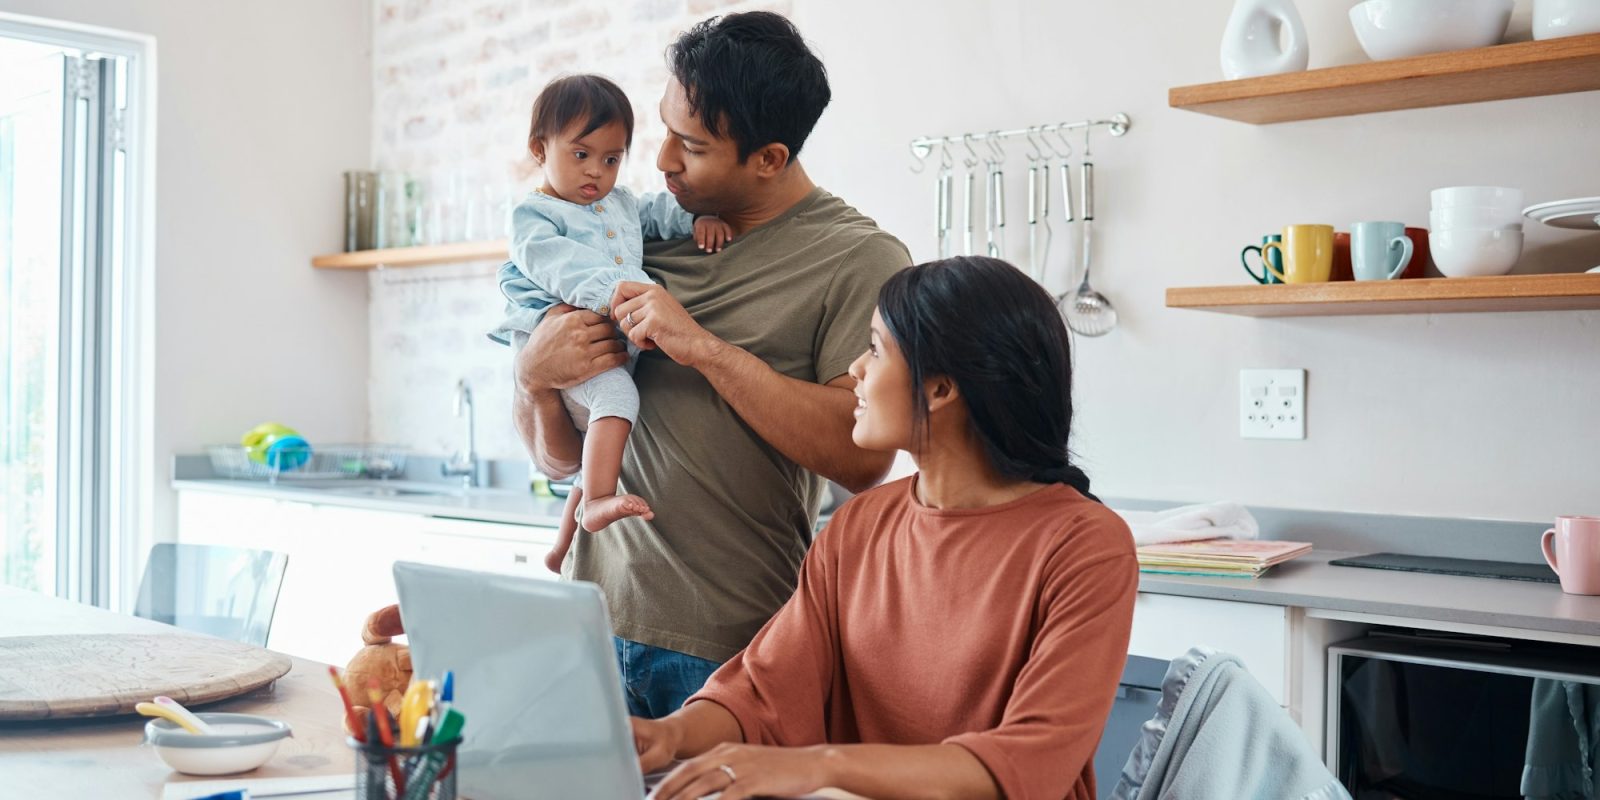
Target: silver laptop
(535, 675)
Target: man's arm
(808, 423)
(563, 351)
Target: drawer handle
(520, 559)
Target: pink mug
(1572, 549)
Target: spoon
(170, 709)
(1088, 312)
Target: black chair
(227, 592)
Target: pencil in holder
(424, 772)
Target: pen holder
(425, 772)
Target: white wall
(1489, 415)
(260, 106)
(1483, 415)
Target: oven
(1420, 716)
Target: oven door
(1422, 716)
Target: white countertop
(489, 505)
(1310, 582)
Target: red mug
(1572, 548)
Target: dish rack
(309, 463)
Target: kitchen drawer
(475, 529)
(1166, 626)
(513, 557)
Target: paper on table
(317, 787)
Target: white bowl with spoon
(210, 743)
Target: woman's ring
(727, 770)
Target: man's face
(702, 171)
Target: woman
(959, 633)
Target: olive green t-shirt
(733, 516)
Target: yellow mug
(1307, 253)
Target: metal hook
(993, 140)
(1061, 136)
(945, 161)
(1086, 150)
(920, 153)
(1037, 154)
(971, 159)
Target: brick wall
(453, 82)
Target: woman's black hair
(752, 77)
(591, 99)
(997, 335)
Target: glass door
(32, 106)
(63, 190)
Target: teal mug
(1379, 251)
(1276, 255)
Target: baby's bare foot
(602, 511)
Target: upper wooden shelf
(1564, 292)
(1525, 69)
(413, 256)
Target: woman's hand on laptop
(741, 771)
(657, 742)
(653, 319)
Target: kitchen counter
(511, 506)
(1311, 582)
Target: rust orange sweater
(1001, 629)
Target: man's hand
(568, 348)
(711, 233)
(652, 319)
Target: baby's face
(583, 169)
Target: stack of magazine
(1234, 558)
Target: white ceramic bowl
(242, 743)
(1401, 28)
(1468, 252)
(1556, 18)
(1487, 196)
(1475, 217)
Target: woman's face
(883, 394)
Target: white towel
(1188, 523)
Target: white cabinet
(487, 546)
(341, 559)
(1166, 626)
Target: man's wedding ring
(629, 319)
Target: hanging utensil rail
(921, 148)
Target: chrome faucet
(465, 462)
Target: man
(744, 392)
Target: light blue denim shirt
(564, 252)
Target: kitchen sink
(391, 490)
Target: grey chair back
(228, 592)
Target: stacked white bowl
(1475, 230)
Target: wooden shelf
(1564, 292)
(413, 256)
(1525, 69)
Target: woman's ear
(941, 392)
(536, 149)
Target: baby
(572, 241)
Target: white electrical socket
(1272, 403)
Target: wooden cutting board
(98, 675)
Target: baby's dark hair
(594, 100)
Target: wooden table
(103, 757)
(94, 758)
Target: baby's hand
(711, 233)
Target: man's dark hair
(590, 98)
(752, 78)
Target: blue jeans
(657, 681)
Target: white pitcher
(1250, 45)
